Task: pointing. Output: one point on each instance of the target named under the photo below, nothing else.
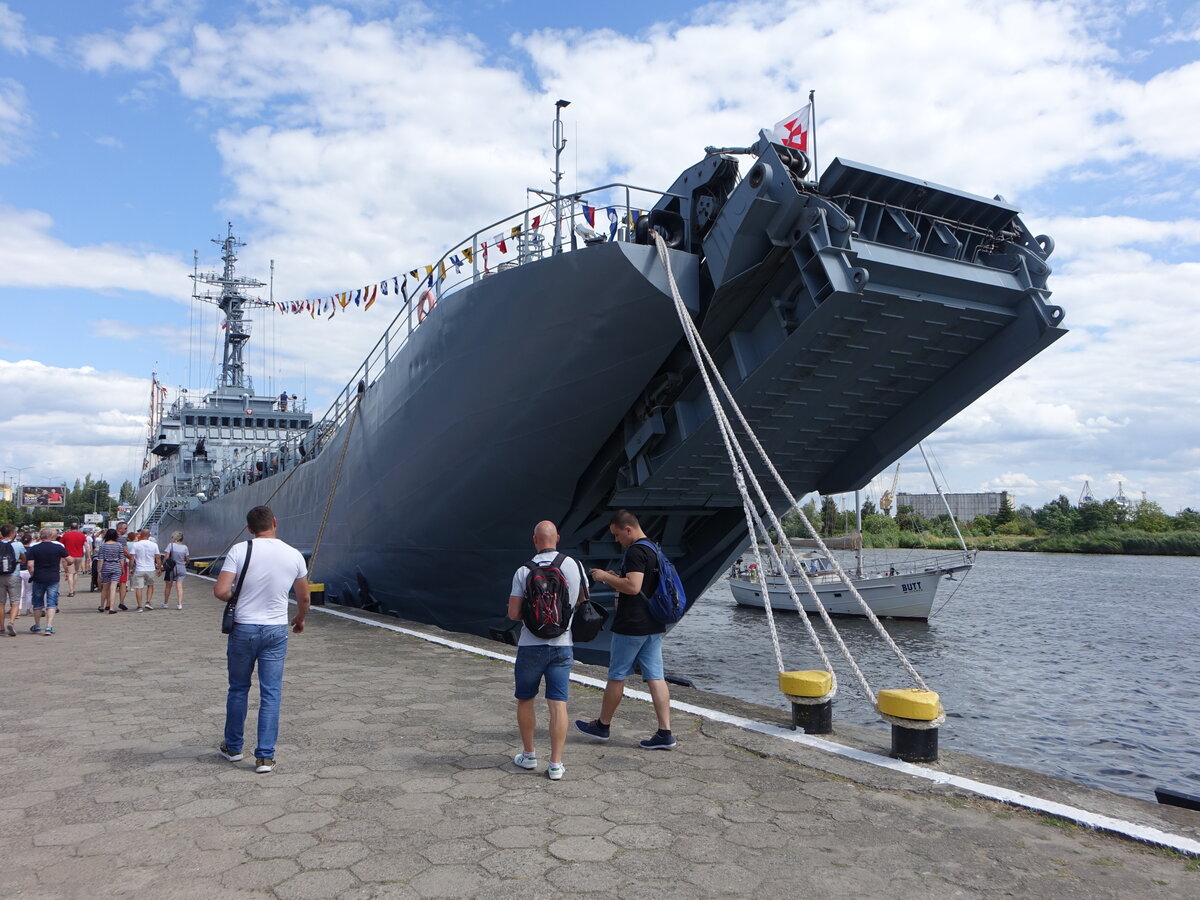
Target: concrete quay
(395, 780)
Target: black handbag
(589, 617)
(227, 616)
(588, 621)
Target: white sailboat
(894, 591)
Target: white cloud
(30, 256)
(14, 119)
(95, 424)
(355, 148)
(15, 39)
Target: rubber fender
(909, 703)
(669, 225)
(810, 683)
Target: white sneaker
(555, 771)
(526, 760)
(165, 604)
(178, 606)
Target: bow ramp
(851, 318)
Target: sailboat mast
(858, 534)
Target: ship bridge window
(260, 423)
(225, 421)
(189, 420)
(270, 423)
(295, 424)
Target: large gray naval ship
(852, 315)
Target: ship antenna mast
(232, 302)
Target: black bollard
(914, 745)
(813, 718)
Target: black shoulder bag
(589, 616)
(227, 616)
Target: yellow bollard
(915, 716)
(804, 689)
(316, 593)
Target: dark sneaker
(48, 632)
(231, 755)
(593, 729)
(122, 607)
(262, 765)
(658, 741)
(12, 632)
(35, 628)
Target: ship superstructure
(206, 445)
(852, 316)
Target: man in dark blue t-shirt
(45, 566)
(637, 636)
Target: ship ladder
(914, 713)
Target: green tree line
(1058, 526)
(87, 495)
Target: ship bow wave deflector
(851, 317)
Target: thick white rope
(741, 465)
(795, 504)
(700, 351)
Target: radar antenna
(232, 302)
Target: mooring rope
(703, 357)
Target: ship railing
(145, 509)
(563, 216)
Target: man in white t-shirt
(260, 633)
(539, 657)
(147, 562)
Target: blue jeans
(265, 645)
(45, 596)
(541, 659)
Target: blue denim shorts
(45, 596)
(541, 659)
(643, 649)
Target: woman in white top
(178, 552)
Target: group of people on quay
(36, 565)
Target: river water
(1086, 667)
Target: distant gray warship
(852, 316)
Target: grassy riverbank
(1125, 540)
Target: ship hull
(460, 449)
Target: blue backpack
(668, 603)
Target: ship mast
(232, 302)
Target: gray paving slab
(395, 779)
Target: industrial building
(964, 506)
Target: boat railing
(458, 268)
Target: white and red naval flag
(793, 130)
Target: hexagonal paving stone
(281, 846)
(299, 822)
(333, 856)
(204, 809)
(523, 864)
(448, 881)
(583, 849)
(519, 836)
(316, 885)
(648, 837)
(400, 866)
(251, 815)
(259, 874)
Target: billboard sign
(42, 496)
(93, 518)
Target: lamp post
(559, 143)
(18, 470)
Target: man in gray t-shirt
(538, 657)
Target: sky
(349, 141)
